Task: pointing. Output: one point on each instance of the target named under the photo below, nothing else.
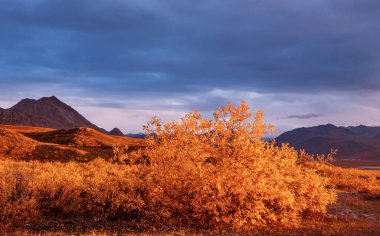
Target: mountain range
(353, 142)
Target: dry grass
(25, 129)
(79, 144)
(31, 190)
(83, 137)
(14, 144)
(92, 199)
(350, 179)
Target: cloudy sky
(118, 62)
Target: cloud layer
(174, 56)
(302, 117)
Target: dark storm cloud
(125, 47)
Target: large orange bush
(220, 173)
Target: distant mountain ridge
(137, 135)
(45, 112)
(359, 143)
(116, 132)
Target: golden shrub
(220, 173)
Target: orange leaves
(220, 173)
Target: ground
(356, 212)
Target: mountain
(360, 142)
(365, 130)
(138, 135)
(45, 112)
(116, 132)
(9, 117)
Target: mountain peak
(47, 112)
(329, 125)
(116, 132)
(25, 101)
(33, 106)
(51, 98)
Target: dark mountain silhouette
(9, 117)
(116, 132)
(138, 135)
(361, 142)
(45, 112)
(365, 130)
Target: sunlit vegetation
(195, 173)
(220, 173)
(353, 180)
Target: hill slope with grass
(44, 144)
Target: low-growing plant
(97, 190)
(120, 153)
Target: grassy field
(96, 198)
(356, 212)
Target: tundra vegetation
(196, 173)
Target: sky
(119, 62)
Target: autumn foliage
(204, 173)
(220, 173)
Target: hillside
(353, 143)
(78, 144)
(13, 144)
(82, 137)
(45, 112)
(9, 117)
